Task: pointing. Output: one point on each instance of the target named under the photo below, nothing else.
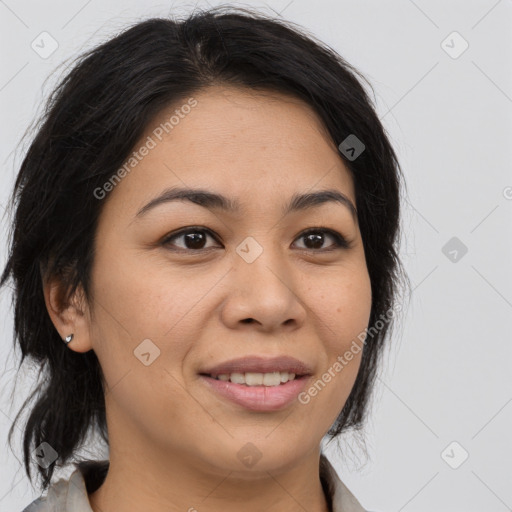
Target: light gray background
(447, 375)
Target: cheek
(140, 311)
(143, 298)
(139, 299)
(343, 306)
(343, 310)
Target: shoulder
(71, 494)
(36, 506)
(54, 499)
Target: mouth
(256, 368)
(257, 382)
(256, 391)
(252, 379)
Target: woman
(204, 258)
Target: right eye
(193, 239)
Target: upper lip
(259, 364)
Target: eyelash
(340, 242)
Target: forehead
(260, 146)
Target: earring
(68, 339)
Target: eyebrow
(213, 201)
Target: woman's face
(239, 283)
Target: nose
(264, 294)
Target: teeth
(258, 379)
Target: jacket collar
(342, 500)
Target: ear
(68, 316)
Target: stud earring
(68, 339)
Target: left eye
(194, 239)
(316, 236)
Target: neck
(182, 486)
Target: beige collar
(342, 499)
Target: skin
(173, 442)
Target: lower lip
(258, 398)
